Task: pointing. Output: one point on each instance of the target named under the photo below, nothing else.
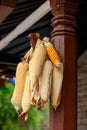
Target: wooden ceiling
(12, 54)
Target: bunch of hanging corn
(41, 78)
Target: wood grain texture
(64, 39)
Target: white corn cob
(21, 71)
(45, 81)
(26, 103)
(36, 63)
(57, 85)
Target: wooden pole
(63, 37)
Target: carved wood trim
(64, 21)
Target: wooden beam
(64, 39)
(9, 3)
(6, 7)
(4, 12)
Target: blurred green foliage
(37, 120)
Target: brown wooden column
(6, 7)
(63, 37)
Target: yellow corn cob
(36, 63)
(21, 70)
(45, 81)
(57, 85)
(51, 52)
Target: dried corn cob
(21, 70)
(51, 52)
(36, 63)
(45, 82)
(26, 103)
(57, 85)
(35, 95)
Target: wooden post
(63, 37)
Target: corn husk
(28, 55)
(45, 81)
(36, 63)
(57, 85)
(21, 71)
(26, 99)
